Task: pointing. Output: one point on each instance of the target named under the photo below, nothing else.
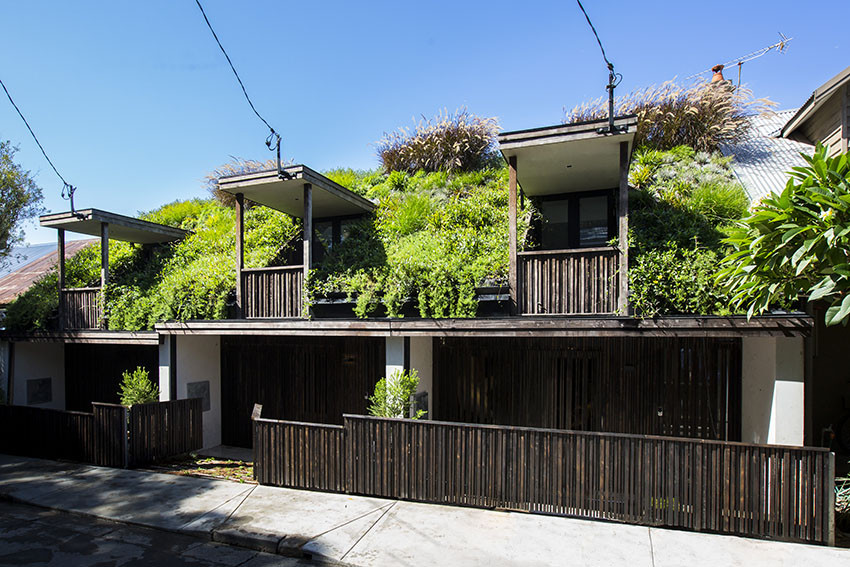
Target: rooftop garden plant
(701, 115)
(438, 233)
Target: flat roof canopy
(330, 199)
(121, 227)
(573, 157)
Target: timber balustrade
(569, 282)
(752, 490)
(273, 292)
(112, 435)
(81, 308)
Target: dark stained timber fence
(36, 432)
(81, 308)
(273, 292)
(163, 429)
(752, 490)
(299, 455)
(571, 282)
(110, 436)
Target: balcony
(568, 282)
(272, 293)
(81, 308)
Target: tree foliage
(702, 115)
(20, 199)
(796, 242)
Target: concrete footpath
(371, 531)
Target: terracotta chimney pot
(718, 74)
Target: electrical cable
(596, 35)
(226, 56)
(9, 96)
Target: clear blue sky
(135, 104)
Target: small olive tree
(796, 243)
(136, 388)
(392, 398)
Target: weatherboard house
(561, 352)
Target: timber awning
(121, 227)
(794, 324)
(286, 192)
(574, 157)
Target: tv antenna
(780, 47)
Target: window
(577, 220)
(328, 233)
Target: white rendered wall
(199, 359)
(39, 360)
(773, 392)
(422, 359)
(394, 356)
(165, 367)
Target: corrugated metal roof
(761, 160)
(38, 260)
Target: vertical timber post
(104, 270)
(623, 231)
(512, 244)
(240, 254)
(308, 235)
(61, 275)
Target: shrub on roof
(681, 207)
(702, 115)
(449, 142)
(434, 238)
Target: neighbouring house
(562, 349)
(29, 263)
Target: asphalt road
(35, 536)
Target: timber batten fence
(111, 436)
(752, 490)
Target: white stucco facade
(773, 391)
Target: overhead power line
(273, 137)
(67, 189)
(613, 78)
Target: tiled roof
(763, 158)
(29, 264)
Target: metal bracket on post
(274, 137)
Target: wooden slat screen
(273, 292)
(81, 308)
(574, 282)
(753, 490)
(299, 455)
(668, 386)
(164, 429)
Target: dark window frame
(336, 233)
(574, 215)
